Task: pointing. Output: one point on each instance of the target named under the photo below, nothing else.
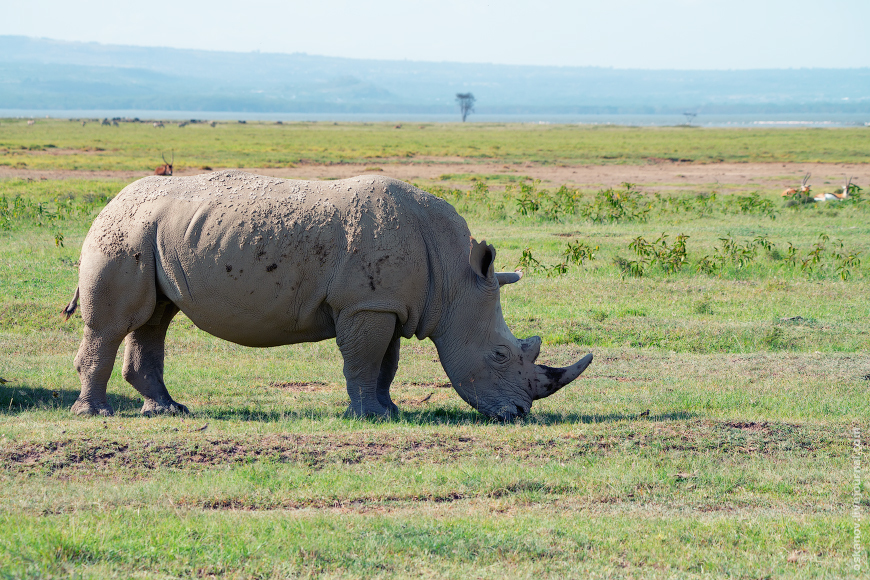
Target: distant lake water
(780, 120)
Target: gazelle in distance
(836, 196)
(804, 188)
(166, 168)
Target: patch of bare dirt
(201, 449)
(661, 175)
(53, 151)
(620, 379)
(249, 503)
(750, 426)
(453, 504)
(302, 387)
(431, 385)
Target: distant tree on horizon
(466, 103)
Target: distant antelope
(166, 168)
(31, 122)
(836, 196)
(158, 124)
(183, 124)
(804, 189)
(847, 185)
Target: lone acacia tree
(466, 103)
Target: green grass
(711, 437)
(63, 144)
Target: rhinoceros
(263, 262)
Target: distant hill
(51, 74)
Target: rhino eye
(500, 355)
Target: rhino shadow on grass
(439, 416)
(18, 398)
(569, 418)
(451, 416)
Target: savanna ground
(711, 437)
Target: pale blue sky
(675, 34)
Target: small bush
(579, 252)
(550, 205)
(617, 206)
(670, 258)
(576, 253)
(734, 254)
(754, 204)
(701, 204)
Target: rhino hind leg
(143, 361)
(94, 363)
(389, 366)
(370, 351)
(117, 296)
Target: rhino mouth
(508, 415)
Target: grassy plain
(63, 144)
(711, 437)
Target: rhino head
(491, 369)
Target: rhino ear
(482, 259)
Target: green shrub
(670, 258)
(733, 254)
(754, 204)
(617, 206)
(550, 205)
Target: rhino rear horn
(508, 277)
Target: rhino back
(262, 261)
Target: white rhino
(264, 262)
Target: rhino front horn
(551, 379)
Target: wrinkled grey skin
(264, 262)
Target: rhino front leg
(364, 339)
(143, 362)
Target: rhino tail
(71, 307)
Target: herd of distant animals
(156, 124)
(804, 190)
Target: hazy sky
(681, 34)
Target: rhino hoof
(152, 407)
(368, 412)
(89, 409)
